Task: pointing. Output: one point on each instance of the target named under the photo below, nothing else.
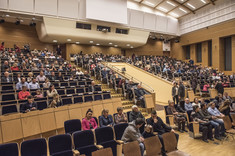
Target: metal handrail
(128, 76)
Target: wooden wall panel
(205, 53)
(152, 47)
(61, 115)
(20, 35)
(47, 120)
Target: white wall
(224, 10)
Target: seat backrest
(36, 147)
(103, 134)
(128, 115)
(67, 101)
(9, 109)
(8, 97)
(78, 99)
(10, 149)
(170, 142)
(41, 105)
(102, 152)
(119, 130)
(60, 143)
(227, 123)
(83, 138)
(131, 149)
(73, 125)
(153, 146)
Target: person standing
(174, 93)
(181, 94)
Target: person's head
(195, 100)
(171, 103)
(22, 80)
(203, 106)
(89, 114)
(6, 74)
(52, 87)
(60, 74)
(139, 122)
(41, 73)
(202, 100)
(187, 100)
(105, 112)
(139, 86)
(196, 108)
(220, 95)
(38, 92)
(52, 73)
(5, 62)
(212, 105)
(225, 94)
(18, 75)
(24, 88)
(30, 74)
(148, 128)
(30, 99)
(120, 110)
(92, 83)
(135, 108)
(154, 114)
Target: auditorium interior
(117, 77)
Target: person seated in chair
(135, 113)
(196, 102)
(41, 77)
(148, 131)
(204, 125)
(23, 94)
(105, 119)
(140, 92)
(34, 84)
(6, 77)
(52, 77)
(132, 133)
(30, 105)
(56, 102)
(188, 105)
(91, 88)
(120, 117)
(22, 83)
(160, 127)
(89, 123)
(179, 118)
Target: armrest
(155, 133)
(170, 115)
(99, 146)
(120, 142)
(76, 152)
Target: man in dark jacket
(6, 77)
(140, 92)
(132, 133)
(135, 113)
(220, 88)
(181, 94)
(29, 106)
(160, 127)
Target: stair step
(116, 95)
(127, 106)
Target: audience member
(188, 105)
(56, 102)
(33, 84)
(120, 117)
(148, 131)
(174, 93)
(132, 133)
(181, 94)
(105, 119)
(41, 77)
(6, 77)
(46, 84)
(24, 93)
(140, 92)
(30, 105)
(22, 83)
(135, 113)
(196, 102)
(219, 87)
(38, 94)
(89, 123)
(52, 91)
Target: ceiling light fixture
(132, 47)
(54, 41)
(128, 45)
(7, 15)
(174, 14)
(149, 3)
(69, 40)
(203, 1)
(97, 44)
(77, 42)
(91, 41)
(191, 5)
(183, 10)
(170, 3)
(115, 45)
(163, 9)
(110, 43)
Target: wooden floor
(196, 147)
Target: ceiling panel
(168, 5)
(195, 3)
(152, 3)
(181, 1)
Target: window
(227, 54)
(188, 52)
(103, 28)
(209, 53)
(199, 52)
(83, 26)
(121, 31)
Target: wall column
(193, 53)
(205, 53)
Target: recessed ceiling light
(91, 41)
(128, 45)
(163, 9)
(7, 15)
(132, 47)
(149, 3)
(183, 10)
(97, 44)
(115, 45)
(174, 14)
(191, 5)
(170, 3)
(77, 42)
(69, 40)
(110, 43)
(203, 1)
(54, 41)
(21, 21)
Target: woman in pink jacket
(89, 122)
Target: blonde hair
(105, 111)
(148, 127)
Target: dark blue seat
(119, 130)
(41, 105)
(167, 117)
(67, 101)
(8, 97)
(60, 145)
(8, 102)
(9, 109)
(78, 99)
(88, 98)
(106, 96)
(70, 91)
(61, 91)
(97, 97)
(84, 142)
(80, 90)
(36, 147)
(10, 149)
(105, 137)
(71, 126)
(64, 84)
